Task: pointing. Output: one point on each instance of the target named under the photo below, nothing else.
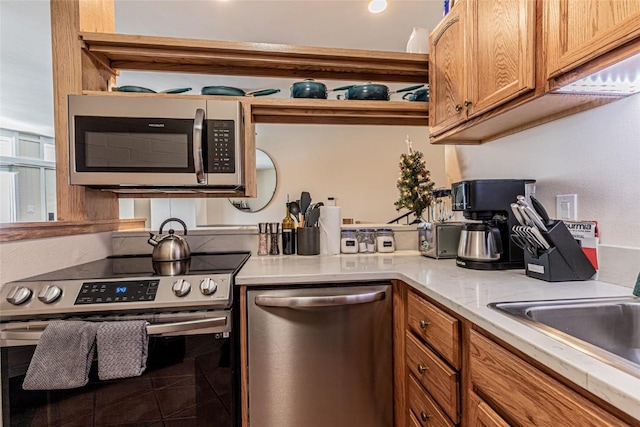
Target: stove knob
(50, 294)
(208, 286)
(19, 295)
(181, 287)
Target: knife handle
(537, 221)
(539, 208)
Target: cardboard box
(588, 237)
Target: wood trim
(400, 407)
(74, 71)
(37, 230)
(244, 375)
(166, 54)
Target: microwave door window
(116, 144)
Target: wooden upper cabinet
(482, 55)
(501, 45)
(447, 74)
(578, 31)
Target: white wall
(594, 154)
(358, 165)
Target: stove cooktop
(131, 266)
(124, 284)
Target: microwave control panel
(221, 146)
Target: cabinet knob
(424, 416)
(467, 102)
(424, 323)
(458, 108)
(422, 368)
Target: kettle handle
(176, 220)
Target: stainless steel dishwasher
(321, 356)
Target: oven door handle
(159, 329)
(319, 301)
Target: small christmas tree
(414, 182)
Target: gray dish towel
(122, 349)
(63, 356)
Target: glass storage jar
(385, 240)
(348, 241)
(367, 240)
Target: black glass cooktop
(141, 266)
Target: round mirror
(267, 182)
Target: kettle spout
(152, 240)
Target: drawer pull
(424, 416)
(422, 369)
(424, 323)
(458, 108)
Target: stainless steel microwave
(155, 143)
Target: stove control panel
(120, 291)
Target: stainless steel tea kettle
(170, 247)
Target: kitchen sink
(605, 328)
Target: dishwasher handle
(320, 301)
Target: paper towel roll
(329, 223)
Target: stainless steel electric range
(189, 378)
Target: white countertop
(468, 292)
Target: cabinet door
(447, 77)
(501, 46)
(529, 397)
(578, 31)
(481, 414)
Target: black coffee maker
(485, 245)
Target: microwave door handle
(198, 158)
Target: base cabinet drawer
(440, 381)
(436, 327)
(527, 396)
(425, 411)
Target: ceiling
(26, 94)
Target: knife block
(564, 261)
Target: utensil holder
(308, 240)
(564, 261)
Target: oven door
(189, 380)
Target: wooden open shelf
(316, 111)
(133, 52)
(115, 52)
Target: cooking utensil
(170, 247)
(372, 91)
(294, 209)
(421, 95)
(234, 91)
(313, 217)
(540, 210)
(309, 88)
(305, 202)
(140, 89)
